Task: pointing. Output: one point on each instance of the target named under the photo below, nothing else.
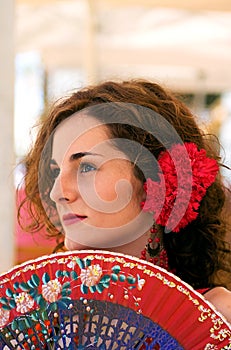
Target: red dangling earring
(155, 249)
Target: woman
(124, 167)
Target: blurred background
(49, 47)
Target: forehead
(79, 133)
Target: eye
(86, 167)
(54, 172)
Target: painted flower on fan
(91, 275)
(140, 283)
(182, 185)
(51, 290)
(24, 302)
(4, 317)
(71, 264)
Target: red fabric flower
(185, 174)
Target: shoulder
(220, 297)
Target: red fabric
(203, 290)
(29, 245)
(185, 173)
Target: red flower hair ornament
(185, 174)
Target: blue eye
(55, 172)
(86, 167)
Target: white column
(6, 134)
(90, 55)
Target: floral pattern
(4, 317)
(51, 290)
(51, 284)
(46, 292)
(24, 302)
(91, 275)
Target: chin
(71, 245)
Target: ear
(142, 193)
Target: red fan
(103, 300)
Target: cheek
(105, 187)
(139, 194)
(120, 189)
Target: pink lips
(70, 219)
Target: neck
(133, 248)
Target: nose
(63, 190)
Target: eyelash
(84, 167)
(55, 172)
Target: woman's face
(95, 191)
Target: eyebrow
(76, 156)
(53, 162)
(79, 155)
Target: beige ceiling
(213, 5)
(187, 46)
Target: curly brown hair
(199, 251)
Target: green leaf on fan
(42, 304)
(84, 289)
(12, 303)
(34, 317)
(106, 284)
(16, 285)
(122, 278)
(59, 273)
(14, 325)
(105, 280)
(35, 279)
(74, 275)
(63, 305)
(24, 286)
(66, 285)
(131, 287)
(53, 306)
(44, 316)
(66, 273)
(65, 300)
(21, 324)
(4, 301)
(45, 278)
(114, 277)
(27, 323)
(31, 284)
(38, 298)
(9, 293)
(131, 279)
(6, 307)
(66, 292)
(87, 262)
(40, 301)
(92, 289)
(116, 269)
(100, 288)
(33, 293)
(80, 262)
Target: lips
(70, 219)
